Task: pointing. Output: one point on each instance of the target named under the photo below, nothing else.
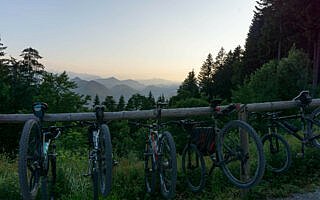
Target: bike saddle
(38, 109)
(99, 112)
(304, 98)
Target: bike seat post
(39, 109)
(158, 111)
(99, 114)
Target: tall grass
(128, 179)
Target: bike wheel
(313, 128)
(168, 165)
(149, 169)
(29, 164)
(95, 182)
(242, 162)
(193, 168)
(277, 153)
(48, 181)
(105, 160)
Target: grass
(128, 179)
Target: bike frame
(280, 122)
(153, 139)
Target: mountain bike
(241, 160)
(276, 148)
(100, 154)
(159, 157)
(37, 156)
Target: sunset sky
(125, 38)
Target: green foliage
(139, 102)
(121, 103)
(161, 98)
(128, 179)
(276, 80)
(125, 139)
(110, 104)
(23, 82)
(56, 91)
(190, 102)
(277, 26)
(205, 77)
(293, 74)
(189, 87)
(96, 100)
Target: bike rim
(241, 165)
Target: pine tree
(161, 98)
(2, 48)
(110, 104)
(189, 87)
(205, 77)
(150, 101)
(121, 104)
(30, 67)
(96, 100)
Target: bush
(276, 80)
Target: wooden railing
(147, 114)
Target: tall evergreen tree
(110, 104)
(205, 77)
(2, 49)
(30, 65)
(189, 87)
(121, 104)
(150, 101)
(161, 98)
(96, 100)
(220, 59)
(137, 102)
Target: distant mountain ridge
(115, 87)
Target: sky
(136, 39)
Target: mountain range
(92, 85)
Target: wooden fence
(146, 114)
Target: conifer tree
(189, 87)
(121, 104)
(110, 104)
(96, 100)
(205, 77)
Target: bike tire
(149, 169)
(95, 183)
(167, 166)
(105, 160)
(313, 128)
(30, 137)
(48, 181)
(190, 155)
(52, 177)
(224, 152)
(271, 145)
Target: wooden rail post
(244, 142)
